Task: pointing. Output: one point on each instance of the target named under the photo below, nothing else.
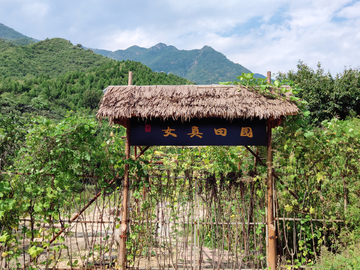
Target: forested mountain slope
(53, 76)
(9, 34)
(204, 66)
(48, 57)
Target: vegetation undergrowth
(316, 158)
(346, 258)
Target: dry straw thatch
(189, 101)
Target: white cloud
(350, 12)
(309, 34)
(24, 15)
(34, 10)
(260, 34)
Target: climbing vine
(317, 167)
(284, 89)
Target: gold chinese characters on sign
(220, 131)
(195, 132)
(246, 132)
(169, 131)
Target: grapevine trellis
(157, 216)
(127, 105)
(179, 218)
(198, 222)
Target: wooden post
(270, 204)
(125, 199)
(130, 78)
(124, 217)
(271, 256)
(268, 77)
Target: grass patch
(348, 258)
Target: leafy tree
(91, 99)
(46, 157)
(12, 137)
(40, 103)
(327, 96)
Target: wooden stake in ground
(124, 221)
(271, 256)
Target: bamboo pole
(268, 77)
(270, 199)
(130, 78)
(123, 227)
(81, 211)
(72, 219)
(125, 202)
(270, 205)
(142, 152)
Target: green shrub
(348, 258)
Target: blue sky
(261, 35)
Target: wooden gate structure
(164, 108)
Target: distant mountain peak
(207, 47)
(134, 47)
(159, 46)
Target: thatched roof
(190, 101)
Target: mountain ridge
(202, 66)
(13, 36)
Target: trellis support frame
(271, 256)
(125, 197)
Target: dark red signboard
(207, 131)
